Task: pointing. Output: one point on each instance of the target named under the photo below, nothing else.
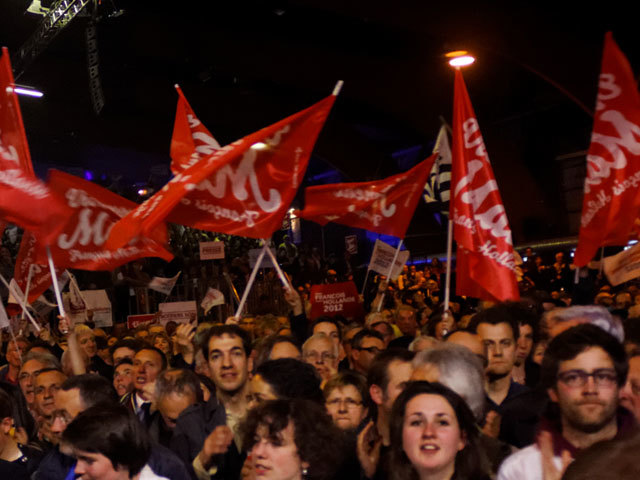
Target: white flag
(211, 299)
(4, 320)
(382, 257)
(624, 266)
(163, 285)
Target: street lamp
(460, 58)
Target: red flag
(191, 141)
(611, 201)
(40, 274)
(241, 189)
(95, 210)
(485, 263)
(24, 200)
(383, 206)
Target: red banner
(335, 299)
(24, 200)
(611, 201)
(244, 188)
(383, 206)
(485, 265)
(95, 210)
(191, 141)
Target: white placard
(181, 312)
(382, 257)
(211, 250)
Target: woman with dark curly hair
(433, 436)
(292, 440)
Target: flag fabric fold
(94, 212)
(485, 263)
(24, 199)
(383, 206)
(243, 188)
(611, 203)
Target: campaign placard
(211, 250)
(335, 299)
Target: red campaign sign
(95, 210)
(243, 188)
(382, 206)
(611, 204)
(486, 267)
(134, 321)
(335, 299)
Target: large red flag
(611, 201)
(95, 210)
(382, 206)
(485, 263)
(24, 200)
(241, 189)
(191, 141)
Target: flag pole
(26, 290)
(21, 302)
(56, 286)
(447, 285)
(393, 264)
(366, 277)
(283, 277)
(252, 279)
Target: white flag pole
(366, 277)
(252, 279)
(447, 285)
(21, 302)
(283, 277)
(56, 287)
(26, 291)
(393, 264)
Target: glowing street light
(460, 58)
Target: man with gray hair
(175, 390)
(455, 367)
(558, 320)
(321, 352)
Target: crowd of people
(542, 388)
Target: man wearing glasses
(583, 370)
(365, 345)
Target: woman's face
(87, 343)
(344, 404)
(260, 391)
(431, 436)
(161, 344)
(276, 457)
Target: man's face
(590, 407)
(346, 341)
(524, 343)
(147, 364)
(630, 394)
(14, 351)
(406, 322)
(329, 329)
(320, 352)
(364, 354)
(228, 363)
(123, 379)
(123, 352)
(501, 347)
(68, 404)
(26, 378)
(172, 405)
(46, 386)
(95, 466)
(384, 329)
(399, 373)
